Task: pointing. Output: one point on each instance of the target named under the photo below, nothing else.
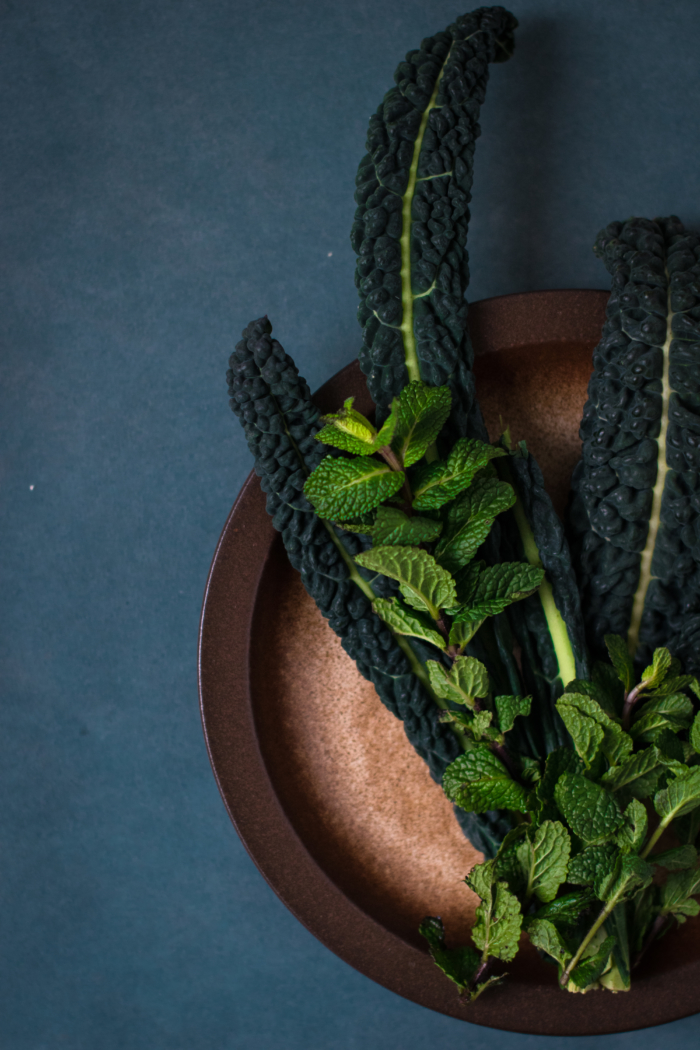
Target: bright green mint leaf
(592, 729)
(345, 488)
(544, 858)
(469, 521)
(497, 587)
(463, 683)
(567, 910)
(638, 776)
(388, 428)
(631, 835)
(672, 684)
(679, 797)
(438, 483)
(563, 760)
(678, 892)
(545, 936)
(406, 623)
(672, 712)
(590, 811)
(620, 659)
(481, 723)
(459, 964)
(509, 707)
(422, 412)
(695, 733)
(478, 781)
(660, 666)
(589, 970)
(348, 430)
(593, 865)
(461, 634)
(498, 918)
(331, 435)
(394, 528)
(424, 584)
(678, 859)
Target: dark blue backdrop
(172, 169)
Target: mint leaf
(594, 865)
(346, 488)
(679, 797)
(678, 892)
(497, 587)
(544, 857)
(422, 412)
(462, 633)
(348, 430)
(590, 811)
(424, 584)
(568, 910)
(634, 874)
(509, 707)
(620, 659)
(394, 528)
(631, 835)
(498, 917)
(459, 964)
(563, 760)
(478, 781)
(592, 729)
(331, 435)
(589, 970)
(406, 623)
(469, 521)
(638, 776)
(666, 712)
(695, 733)
(437, 483)
(465, 681)
(545, 936)
(654, 675)
(677, 859)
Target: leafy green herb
(343, 488)
(478, 781)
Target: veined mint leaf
(631, 835)
(497, 587)
(608, 703)
(592, 729)
(563, 760)
(638, 776)
(634, 874)
(438, 483)
(545, 936)
(459, 964)
(394, 528)
(594, 865)
(509, 707)
(469, 521)
(406, 623)
(660, 666)
(498, 918)
(590, 811)
(331, 435)
(348, 430)
(425, 585)
(672, 684)
(465, 681)
(589, 970)
(620, 659)
(678, 892)
(462, 633)
(678, 859)
(695, 733)
(422, 412)
(346, 488)
(544, 857)
(388, 427)
(478, 781)
(666, 712)
(679, 797)
(567, 910)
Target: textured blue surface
(171, 169)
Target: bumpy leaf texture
(280, 422)
(636, 511)
(413, 190)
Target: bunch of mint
(578, 873)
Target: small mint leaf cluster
(576, 873)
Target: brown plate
(334, 806)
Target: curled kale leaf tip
(634, 514)
(413, 190)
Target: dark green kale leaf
(413, 190)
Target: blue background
(170, 170)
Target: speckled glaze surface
(331, 801)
